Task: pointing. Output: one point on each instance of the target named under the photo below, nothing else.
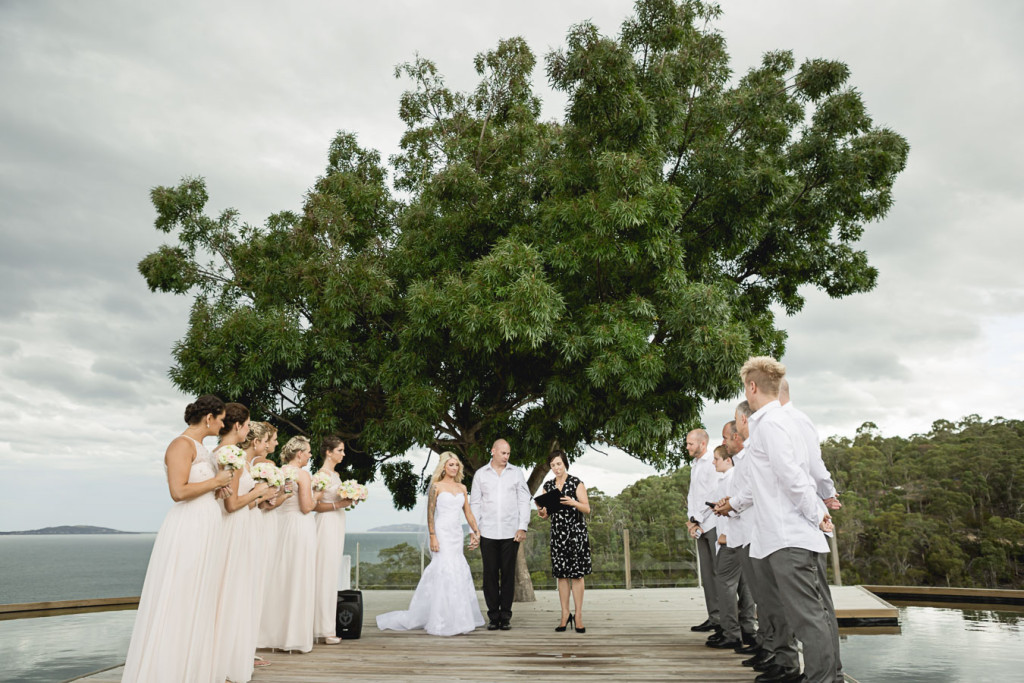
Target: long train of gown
(445, 601)
(237, 619)
(172, 640)
(287, 619)
(330, 544)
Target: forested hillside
(942, 508)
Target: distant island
(61, 530)
(407, 528)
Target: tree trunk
(524, 584)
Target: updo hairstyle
(234, 414)
(257, 432)
(295, 445)
(201, 407)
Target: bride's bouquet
(354, 491)
(321, 480)
(231, 457)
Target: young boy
(727, 566)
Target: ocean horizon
(45, 567)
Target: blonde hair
(439, 470)
(765, 372)
(295, 445)
(723, 453)
(258, 431)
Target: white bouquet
(321, 480)
(354, 491)
(265, 472)
(231, 457)
(290, 472)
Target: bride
(445, 602)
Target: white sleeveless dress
(330, 545)
(445, 602)
(287, 620)
(237, 623)
(173, 636)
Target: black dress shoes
(505, 626)
(723, 644)
(493, 626)
(706, 626)
(747, 649)
(777, 674)
(764, 664)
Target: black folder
(551, 501)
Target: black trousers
(499, 556)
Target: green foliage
(559, 284)
(942, 508)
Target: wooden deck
(636, 635)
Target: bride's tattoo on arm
(431, 503)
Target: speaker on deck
(350, 615)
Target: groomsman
(738, 539)
(735, 610)
(826, 489)
(701, 524)
(777, 644)
(788, 518)
(500, 501)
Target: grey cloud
(104, 100)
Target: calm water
(941, 645)
(40, 568)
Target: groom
(500, 502)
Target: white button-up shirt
(787, 508)
(723, 525)
(703, 482)
(739, 524)
(816, 466)
(500, 502)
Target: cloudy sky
(104, 100)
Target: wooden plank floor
(637, 635)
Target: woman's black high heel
(579, 629)
(568, 623)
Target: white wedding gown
(445, 602)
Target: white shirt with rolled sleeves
(739, 524)
(819, 473)
(703, 482)
(500, 502)
(786, 506)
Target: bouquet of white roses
(290, 472)
(321, 480)
(231, 457)
(354, 491)
(266, 472)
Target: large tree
(588, 282)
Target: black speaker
(349, 621)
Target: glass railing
(662, 562)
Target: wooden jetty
(635, 635)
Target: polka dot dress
(570, 545)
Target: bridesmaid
(330, 543)
(173, 636)
(235, 632)
(287, 620)
(262, 440)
